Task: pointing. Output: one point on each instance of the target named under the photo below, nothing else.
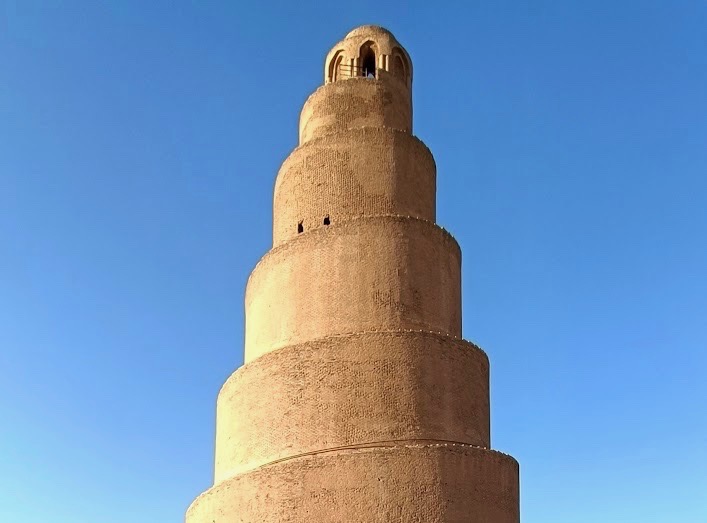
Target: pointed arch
(368, 59)
(334, 72)
(399, 65)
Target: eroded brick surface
(359, 401)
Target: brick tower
(359, 401)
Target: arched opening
(367, 60)
(338, 73)
(334, 72)
(326, 220)
(300, 228)
(369, 64)
(399, 66)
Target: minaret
(359, 401)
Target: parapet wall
(366, 274)
(361, 172)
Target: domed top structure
(364, 30)
(369, 51)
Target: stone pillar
(359, 401)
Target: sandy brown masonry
(359, 401)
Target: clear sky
(139, 142)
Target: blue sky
(139, 142)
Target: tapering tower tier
(359, 401)
(357, 155)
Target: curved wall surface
(359, 401)
(363, 172)
(375, 386)
(354, 104)
(373, 273)
(425, 482)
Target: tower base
(403, 482)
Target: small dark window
(326, 220)
(300, 228)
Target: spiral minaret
(358, 401)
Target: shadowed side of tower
(358, 401)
